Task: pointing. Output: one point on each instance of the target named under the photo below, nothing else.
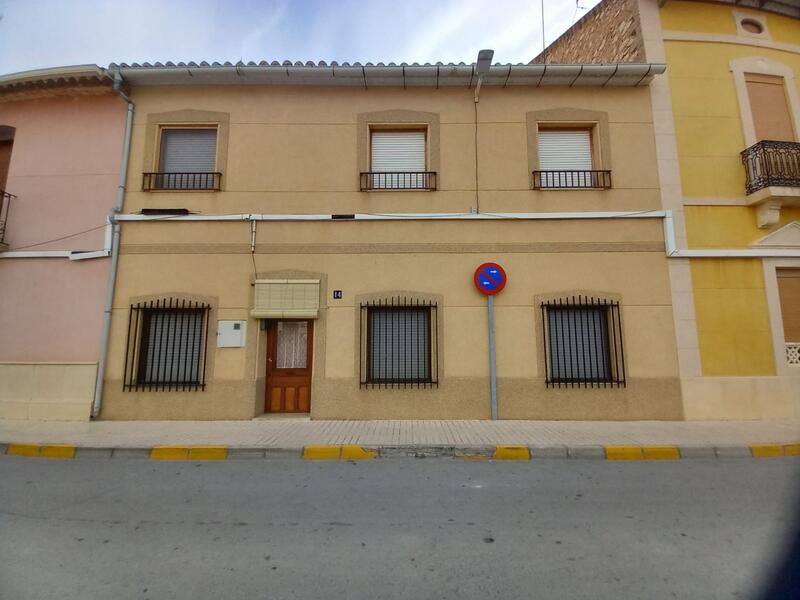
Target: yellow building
(727, 120)
(304, 238)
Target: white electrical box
(231, 334)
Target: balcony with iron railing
(567, 180)
(394, 180)
(772, 178)
(207, 182)
(5, 205)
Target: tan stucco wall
(373, 258)
(47, 391)
(295, 150)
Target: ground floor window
(583, 342)
(399, 343)
(166, 345)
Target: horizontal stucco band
(454, 398)
(533, 247)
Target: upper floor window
(186, 160)
(566, 160)
(769, 107)
(398, 161)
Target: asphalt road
(392, 528)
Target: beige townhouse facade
(303, 239)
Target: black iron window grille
(544, 180)
(166, 347)
(399, 343)
(5, 206)
(182, 181)
(770, 163)
(412, 180)
(583, 342)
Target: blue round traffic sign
(490, 278)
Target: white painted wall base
(47, 391)
(742, 398)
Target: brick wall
(609, 33)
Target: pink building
(61, 139)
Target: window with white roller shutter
(190, 151)
(567, 152)
(400, 155)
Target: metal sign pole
(492, 363)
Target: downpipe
(97, 402)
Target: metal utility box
(231, 334)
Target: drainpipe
(112, 275)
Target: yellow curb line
(208, 453)
(60, 451)
(169, 453)
(791, 450)
(660, 453)
(322, 452)
(624, 453)
(357, 453)
(23, 450)
(189, 453)
(766, 450)
(512, 453)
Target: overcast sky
(48, 33)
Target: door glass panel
(292, 344)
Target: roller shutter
(188, 150)
(286, 299)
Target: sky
(48, 33)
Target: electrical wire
(58, 239)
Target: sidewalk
(298, 433)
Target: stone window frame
(595, 121)
(437, 334)
(398, 120)
(541, 355)
(187, 118)
(209, 349)
(758, 65)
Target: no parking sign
(490, 279)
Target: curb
(355, 452)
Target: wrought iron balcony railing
(546, 180)
(770, 163)
(416, 180)
(181, 181)
(5, 205)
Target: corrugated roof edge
(381, 74)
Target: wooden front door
(289, 354)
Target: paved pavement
(702, 529)
(297, 433)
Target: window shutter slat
(398, 151)
(188, 150)
(569, 150)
